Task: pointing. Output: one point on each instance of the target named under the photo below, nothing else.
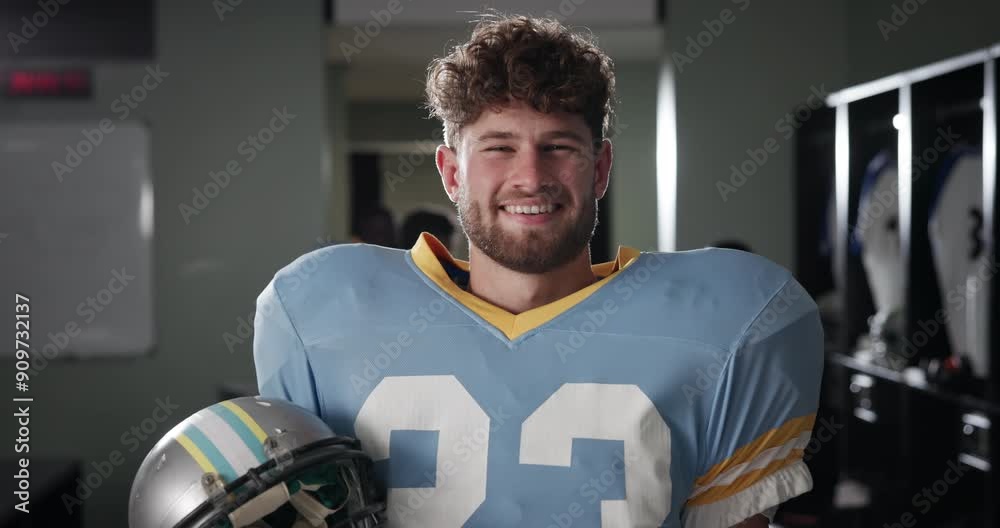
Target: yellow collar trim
(428, 253)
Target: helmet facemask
(316, 486)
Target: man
(527, 387)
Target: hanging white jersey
(876, 233)
(954, 229)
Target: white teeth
(529, 209)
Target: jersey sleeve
(761, 415)
(280, 360)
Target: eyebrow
(506, 134)
(565, 134)
(494, 134)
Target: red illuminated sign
(70, 84)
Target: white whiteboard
(80, 248)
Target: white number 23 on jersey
(575, 410)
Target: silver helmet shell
(204, 466)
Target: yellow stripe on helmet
(196, 454)
(247, 419)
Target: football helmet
(255, 462)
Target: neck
(519, 292)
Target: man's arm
(280, 359)
(761, 416)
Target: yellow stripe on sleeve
(774, 438)
(744, 481)
(784, 436)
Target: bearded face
(522, 240)
(526, 185)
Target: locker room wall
(336, 147)
(225, 78)
(633, 171)
(730, 98)
(934, 31)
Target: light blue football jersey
(678, 390)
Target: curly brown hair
(535, 60)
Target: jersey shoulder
(337, 265)
(733, 270)
(709, 295)
(334, 281)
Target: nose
(529, 175)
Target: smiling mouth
(530, 209)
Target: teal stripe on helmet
(213, 454)
(242, 430)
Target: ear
(447, 165)
(602, 169)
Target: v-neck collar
(430, 256)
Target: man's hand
(757, 521)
